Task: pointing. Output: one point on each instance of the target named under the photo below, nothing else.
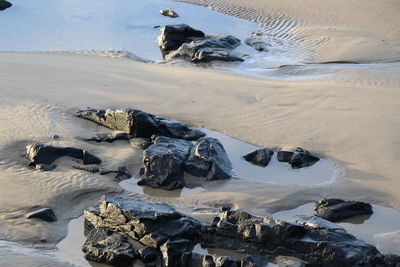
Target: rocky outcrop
(163, 163)
(4, 4)
(298, 158)
(169, 13)
(260, 157)
(109, 138)
(209, 159)
(337, 209)
(47, 154)
(45, 214)
(138, 123)
(183, 42)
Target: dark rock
(4, 4)
(139, 124)
(45, 167)
(121, 173)
(254, 261)
(208, 49)
(88, 169)
(163, 163)
(47, 154)
(208, 159)
(173, 36)
(297, 159)
(156, 26)
(109, 138)
(55, 136)
(169, 13)
(259, 157)
(336, 209)
(195, 259)
(258, 44)
(172, 251)
(45, 214)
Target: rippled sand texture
(323, 31)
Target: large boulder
(173, 36)
(209, 159)
(298, 158)
(260, 157)
(139, 123)
(47, 154)
(4, 4)
(163, 163)
(337, 209)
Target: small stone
(169, 13)
(4, 4)
(260, 157)
(55, 136)
(45, 167)
(45, 214)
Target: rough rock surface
(182, 41)
(337, 209)
(4, 4)
(169, 13)
(45, 214)
(258, 44)
(259, 157)
(109, 138)
(47, 154)
(163, 163)
(298, 158)
(139, 123)
(209, 159)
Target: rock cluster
(123, 231)
(184, 42)
(337, 209)
(298, 158)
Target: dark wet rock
(337, 209)
(139, 124)
(169, 13)
(208, 49)
(172, 251)
(4, 4)
(173, 36)
(259, 157)
(45, 167)
(156, 26)
(121, 173)
(47, 154)
(209, 159)
(195, 259)
(109, 138)
(257, 43)
(55, 136)
(298, 158)
(163, 163)
(45, 214)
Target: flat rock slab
(260, 157)
(109, 138)
(337, 209)
(47, 154)
(4, 4)
(298, 158)
(45, 214)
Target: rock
(139, 124)
(208, 49)
(259, 157)
(315, 222)
(163, 163)
(121, 173)
(4, 4)
(297, 159)
(254, 261)
(195, 259)
(173, 36)
(208, 159)
(45, 214)
(45, 167)
(169, 13)
(257, 43)
(172, 251)
(156, 26)
(336, 209)
(47, 154)
(109, 138)
(55, 136)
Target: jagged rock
(172, 251)
(121, 173)
(257, 43)
(169, 13)
(139, 124)
(4, 4)
(109, 138)
(297, 159)
(337, 209)
(173, 36)
(208, 49)
(259, 157)
(209, 159)
(163, 163)
(45, 214)
(47, 154)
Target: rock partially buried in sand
(298, 158)
(260, 157)
(169, 13)
(109, 138)
(163, 163)
(4, 4)
(139, 123)
(337, 209)
(47, 154)
(121, 173)
(184, 42)
(257, 43)
(209, 159)
(45, 214)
